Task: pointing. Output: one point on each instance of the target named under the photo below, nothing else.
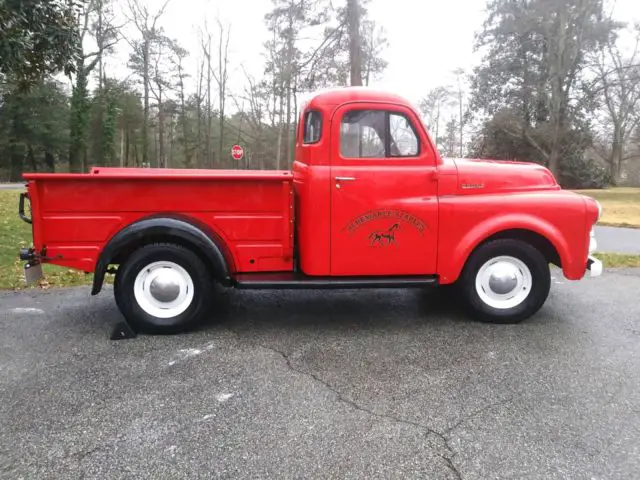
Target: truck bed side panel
(75, 216)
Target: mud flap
(32, 272)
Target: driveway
(375, 384)
(618, 240)
(11, 186)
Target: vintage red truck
(369, 203)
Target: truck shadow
(333, 309)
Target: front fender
(452, 267)
(164, 228)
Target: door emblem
(471, 186)
(400, 216)
(384, 237)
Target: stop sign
(237, 152)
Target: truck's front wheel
(163, 288)
(505, 281)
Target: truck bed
(250, 211)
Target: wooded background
(558, 84)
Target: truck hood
(490, 176)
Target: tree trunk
(554, 161)
(161, 155)
(616, 156)
(461, 126)
(287, 147)
(295, 116)
(49, 161)
(355, 49)
(183, 121)
(557, 91)
(127, 148)
(198, 141)
(15, 170)
(171, 132)
(222, 93)
(100, 39)
(208, 139)
(145, 120)
(32, 159)
(279, 148)
(78, 124)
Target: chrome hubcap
(504, 282)
(163, 289)
(502, 278)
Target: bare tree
(374, 41)
(107, 37)
(179, 54)
(158, 86)
(199, 95)
(205, 42)
(221, 77)
(459, 72)
(618, 84)
(571, 28)
(146, 23)
(432, 107)
(106, 33)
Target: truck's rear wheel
(163, 288)
(505, 281)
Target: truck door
(384, 203)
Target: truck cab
(367, 177)
(369, 203)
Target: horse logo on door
(384, 238)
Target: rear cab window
(312, 127)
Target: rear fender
(184, 231)
(450, 269)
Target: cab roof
(340, 95)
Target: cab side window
(377, 134)
(362, 134)
(404, 141)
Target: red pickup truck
(369, 203)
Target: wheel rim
(504, 282)
(163, 289)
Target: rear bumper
(594, 266)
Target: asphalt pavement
(618, 240)
(365, 384)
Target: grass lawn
(621, 206)
(618, 260)
(14, 233)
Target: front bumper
(594, 266)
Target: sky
(428, 39)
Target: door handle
(343, 179)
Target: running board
(298, 281)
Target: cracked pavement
(368, 384)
